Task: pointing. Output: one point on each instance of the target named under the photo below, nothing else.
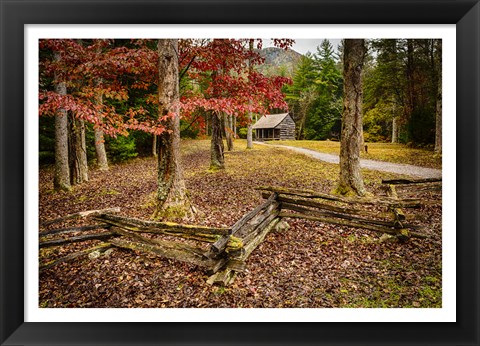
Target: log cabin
(275, 127)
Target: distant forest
(402, 92)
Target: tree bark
(102, 162)
(62, 174)
(410, 69)
(172, 200)
(234, 127)
(154, 146)
(438, 112)
(228, 131)
(78, 152)
(250, 115)
(217, 159)
(351, 181)
(395, 129)
(101, 154)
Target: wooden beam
(56, 242)
(72, 256)
(183, 253)
(352, 224)
(161, 227)
(75, 229)
(81, 214)
(405, 203)
(411, 181)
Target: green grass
(389, 152)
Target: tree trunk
(78, 152)
(217, 160)
(351, 181)
(250, 116)
(438, 111)
(228, 131)
(172, 200)
(411, 95)
(234, 127)
(394, 126)
(154, 146)
(249, 132)
(62, 174)
(102, 162)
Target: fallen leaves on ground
(309, 265)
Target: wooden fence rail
(223, 251)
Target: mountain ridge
(279, 61)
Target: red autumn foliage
(98, 67)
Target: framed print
(28, 317)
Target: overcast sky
(310, 45)
(304, 45)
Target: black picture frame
(15, 14)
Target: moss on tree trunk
(217, 159)
(172, 200)
(62, 174)
(351, 181)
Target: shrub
(242, 133)
(121, 148)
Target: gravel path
(414, 171)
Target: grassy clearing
(281, 167)
(397, 153)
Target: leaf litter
(310, 265)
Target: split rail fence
(223, 252)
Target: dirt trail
(414, 171)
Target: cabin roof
(270, 121)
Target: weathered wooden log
(232, 264)
(221, 262)
(250, 215)
(220, 245)
(56, 242)
(75, 229)
(162, 227)
(190, 233)
(159, 242)
(259, 219)
(238, 265)
(133, 235)
(398, 213)
(316, 204)
(404, 203)
(228, 274)
(248, 238)
(179, 252)
(80, 214)
(224, 277)
(419, 188)
(72, 256)
(326, 213)
(249, 230)
(411, 181)
(255, 242)
(352, 224)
